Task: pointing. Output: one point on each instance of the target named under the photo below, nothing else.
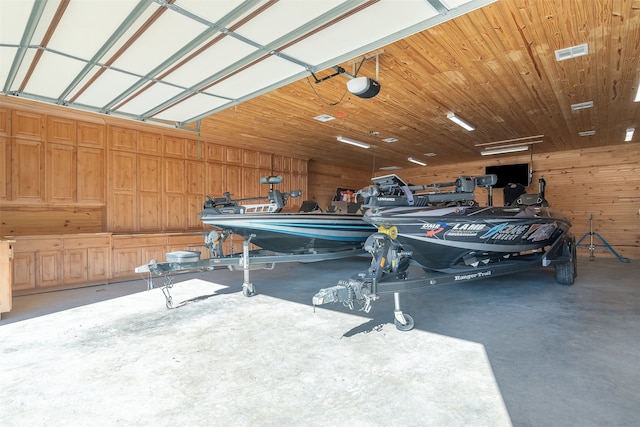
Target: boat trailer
(257, 259)
(388, 274)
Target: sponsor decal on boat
(465, 230)
(505, 232)
(433, 228)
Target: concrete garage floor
(514, 350)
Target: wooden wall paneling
(5, 168)
(27, 125)
(5, 122)
(121, 201)
(43, 219)
(195, 149)
(149, 194)
(602, 181)
(120, 138)
(233, 156)
(60, 169)
(174, 203)
(251, 186)
(91, 180)
(61, 130)
(195, 182)
(150, 143)
(90, 135)
(174, 147)
(234, 181)
(216, 180)
(5, 153)
(265, 162)
(27, 170)
(323, 180)
(278, 164)
(250, 158)
(216, 153)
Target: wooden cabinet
(86, 258)
(6, 263)
(42, 262)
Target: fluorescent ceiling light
(390, 168)
(629, 135)
(353, 142)
(457, 120)
(572, 52)
(637, 98)
(430, 154)
(582, 105)
(504, 150)
(587, 133)
(417, 162)
(390, 140)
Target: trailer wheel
(564, 273)
(404, 327)
(567, 272)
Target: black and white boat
(452, 238)
(291, 233)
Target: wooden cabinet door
(149, 193)
(98, 263)
(121, 200)
(125, 261)
(24, 270)
(5, 167)
(91, 177)
(174, 194)
(60, 166)
(49, 271)
(75, 265)
(27, 167)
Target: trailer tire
(565, 273)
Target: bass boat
(452, 238)
(448, 229)
(277, 231)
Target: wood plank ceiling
(493, 65)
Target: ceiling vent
(587, 133)
(390, 140)
(582, 105)
(572, 52)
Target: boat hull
(295, 232)
(441, 238)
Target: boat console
(391, 190)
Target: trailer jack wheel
(403, 321)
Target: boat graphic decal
(433, 228)
(540, 232)
(505, 231)
(465, 230)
